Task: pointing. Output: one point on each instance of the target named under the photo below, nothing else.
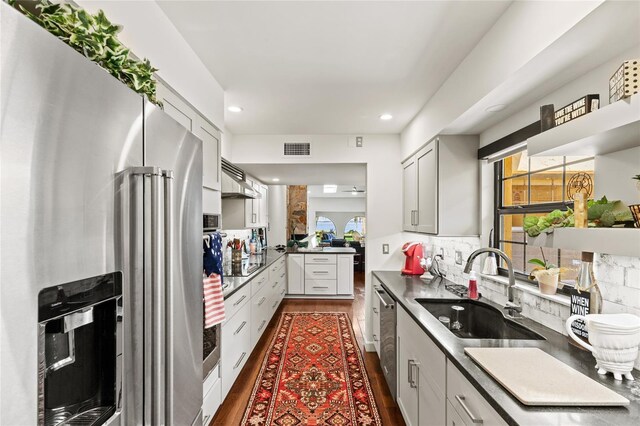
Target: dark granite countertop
(323, 250)
(233, 284)
(405, 289)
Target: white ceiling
(330, 67)
(342, 191)
(308, 174)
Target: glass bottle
(587, 282)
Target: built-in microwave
(211, 222)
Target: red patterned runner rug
(313, 374)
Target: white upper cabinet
(210, 137)
(186, 115)
(441, 187)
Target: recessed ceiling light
(386, 117)
(330, 189)
(496, 108)
(275, 180)
(234, 108)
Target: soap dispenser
(472, 292)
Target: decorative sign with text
(578, 108)
(580, 302)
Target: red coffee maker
(414, 253)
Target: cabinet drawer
(258, 282)
(433, 360)
(211, 402)
(236, 301)
(467, 401)
(320, 272)
(236, 346)
(275, 266)
(327, 287)
(319, 258)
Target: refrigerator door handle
(168, 276)
(157, 365)
(154, 329)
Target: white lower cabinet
(318, 274)
(431, 390)
(421, 375)
(295, 272)
(375, 317)
(249, 312)
(465, 402)
(212, 391)
(236, 346)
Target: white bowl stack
(615, 339)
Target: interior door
(427, 177)
(409, 195)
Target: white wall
(381, 154)
(150, 34)
(521, 33)
(277, 229)
(339, 210)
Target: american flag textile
(212, 280)
(213, 300)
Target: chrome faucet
(512, 307)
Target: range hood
(234, 184)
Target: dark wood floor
(233, 407)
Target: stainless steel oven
(210, 348)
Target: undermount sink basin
(479, 320)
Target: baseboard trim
(369, 346)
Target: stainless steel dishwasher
(387, 338)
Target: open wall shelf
(612, 128)
(617, 241)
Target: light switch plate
(458, 257)
(385, 249)
(359, 141)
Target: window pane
(516, 164)
(515, 191)
(539, 163)
(515, 253)
(511, 227)
(547, 186)
(579, 178)
(354, 229)
(325, 224)
(570, 262)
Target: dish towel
(213, 300)
(212, 280)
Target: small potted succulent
(546, 274)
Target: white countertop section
(327, 250)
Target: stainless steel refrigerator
(100, 257)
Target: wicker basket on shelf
(635, 211)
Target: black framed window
(534, 187)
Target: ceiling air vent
(298, 149)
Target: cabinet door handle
(412, 381)
(375, 338)
(320, 259)
(283, 274)
(254, 218)
(417, 217)
(274, 284)
(275, 304)
(205, 422)
(461, 400)
(262, 325)
(320, 272)
(262, 301)
(375, 310)
(240, 360)
(413, 222)
(241, 299)
(240, 328)
(320, 286)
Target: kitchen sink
(479, 320)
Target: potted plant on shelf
(546, 274)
